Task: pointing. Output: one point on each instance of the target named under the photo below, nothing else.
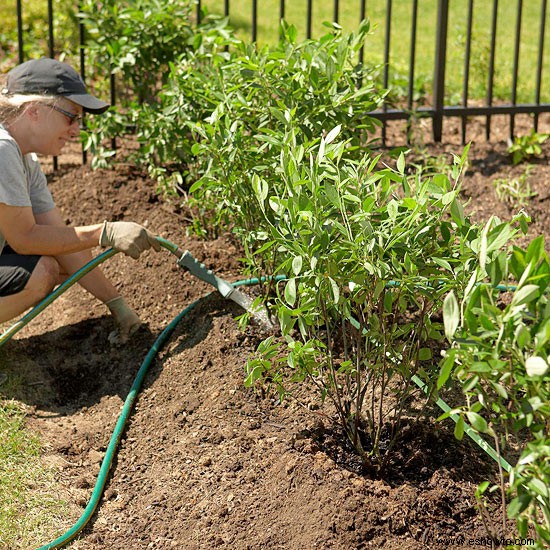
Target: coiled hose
(134, 390)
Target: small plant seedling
(515, 190)
(527, 147)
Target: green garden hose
(117, 434)
(132, 394)
(134, 390)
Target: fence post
(254, 20)
(386, 84)
(439, 67)
(309, 18)
(491, 71)
(516, 68)
(82, 47)
(540, 60)
(20, 32)
(51, 50)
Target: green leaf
(477, 421)
(286, 321)
(443, 263)
(457, 213)
(539, 487)
(297, 265)
(499, 389)
(535, 250)
(448, 198)
(441, 181)
(479, 366)
(425, 354)
(524, 224)
(290, 291)
(518, 505)
(321, 152)
(393, 208)
(522, 336)
(446, 369)
(279, 115)
(335, 290)
(388, 302)
(451, 315)
(499, 236)
(255, 371)
(523, 527)
(459, 428)
(525, 295)
(481, 488)
(379, 288)
(543, 334)
(470, 384)
(483, 245)
(292, 34)
(332, 194)
(276, 205)
(352, 198)
(333, 133)
(401, 164)
(260, 188)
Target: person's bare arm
(26, 236)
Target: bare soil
(204, 462)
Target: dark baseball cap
(47, 76)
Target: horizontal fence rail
(436, 109)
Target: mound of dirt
(204, 462)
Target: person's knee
(44, 277)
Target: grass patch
(29, 508)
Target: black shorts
(15, 271)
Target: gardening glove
(126, 320)
(128, 237)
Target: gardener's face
(55, 124)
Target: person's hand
(128, 237)
(125, 318)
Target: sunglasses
(73, 117)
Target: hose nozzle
(187, 261)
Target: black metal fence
(436, 110)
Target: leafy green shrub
(499, 357)
(142, 69)
(231, 107)
(218, 118)
(137, 39)
(370, 253)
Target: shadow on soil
(423, 448)
(74, 366)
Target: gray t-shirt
(22, 182)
